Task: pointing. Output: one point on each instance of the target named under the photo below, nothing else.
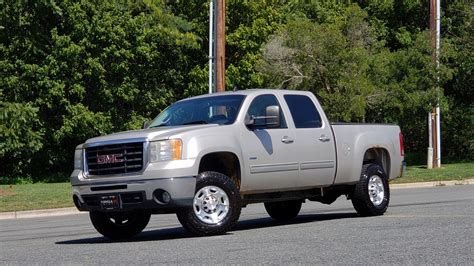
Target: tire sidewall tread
(360, 198)
(191, 223)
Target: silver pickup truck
(206, 157)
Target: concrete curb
(38, 213)
(433, 184)
(73, 210)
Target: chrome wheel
(371, 195)
(376, 190)
(211, 204)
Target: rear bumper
(137, 194)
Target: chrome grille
(115, 158)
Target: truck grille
(115, 158)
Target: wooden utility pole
(220, 46)
(435, 129)
(433, 29)
(211, 46)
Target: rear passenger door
(313, 141)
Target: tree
(457, 55)
(341, 58)
(90, 68)
(20, 137)
(333, 60)
(248, 25)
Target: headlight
(165, 150)
(78, 162)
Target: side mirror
(270, 120)
(145, 124)
(272, 116)
(249, 120)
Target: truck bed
(353, 140)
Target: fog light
(165, 197)
(161, 196)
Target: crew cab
(206, 157)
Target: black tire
(120, 225)
(194, 218)
(283, 210)
(361, 198)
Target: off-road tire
(120, 225)
(190, 220)
(361, 199)
(283, 210)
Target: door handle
(324, 138)
(287, 140)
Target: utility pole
(220, 46)
(434, 150)
(211, 45)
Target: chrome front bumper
(137, 194)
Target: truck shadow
(244, 225)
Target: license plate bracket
(110, 202)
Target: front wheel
(216, 206)
(120, 225)
(372, 194)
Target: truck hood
(150, 134)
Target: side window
(259, 106)
(303, 111)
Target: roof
(249, 92)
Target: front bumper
(137, 194)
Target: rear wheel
(120, 225)
(283, 210)
(216, 206)
(372, 194)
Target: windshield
(220, 110)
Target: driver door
(269, 154)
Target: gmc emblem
(110, 158)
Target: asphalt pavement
(422, 226)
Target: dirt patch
(6, 193)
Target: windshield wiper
(198, 122)
(160, 125)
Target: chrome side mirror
(249, 120)
(272, 116)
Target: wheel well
(379, 156)
(225, 163)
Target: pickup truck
(207, 157)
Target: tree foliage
(20, 136)
(90, 67)
(334, 60)
(372, 63)
(248, 25)
(71, 70)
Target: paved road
(428, 226)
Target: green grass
(23, 197)
(35, 196)
(458, 171)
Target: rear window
(303, 111)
